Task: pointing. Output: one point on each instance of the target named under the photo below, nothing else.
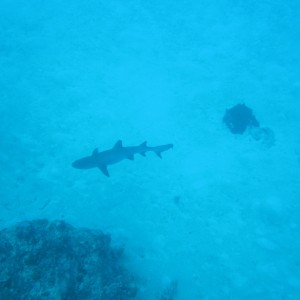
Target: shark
(116, 154)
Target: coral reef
(53, 260)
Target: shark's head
(77, 164)
(87, 162)
(84, 163)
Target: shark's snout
(85, 163)
(76, 164)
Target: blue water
(220, 213)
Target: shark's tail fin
(159, 149)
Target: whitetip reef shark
(114, 155)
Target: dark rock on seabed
(239, 118)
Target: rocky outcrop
(53, 260)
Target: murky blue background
(220, 213)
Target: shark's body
(102, 159)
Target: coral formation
(239, 118)
(263, 134)
(53, 260)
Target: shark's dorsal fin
(144, 144)
(103, 169)
(118, 144)
(95, 152)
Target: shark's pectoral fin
(130, 156)
(143, 153)
(104, 170)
